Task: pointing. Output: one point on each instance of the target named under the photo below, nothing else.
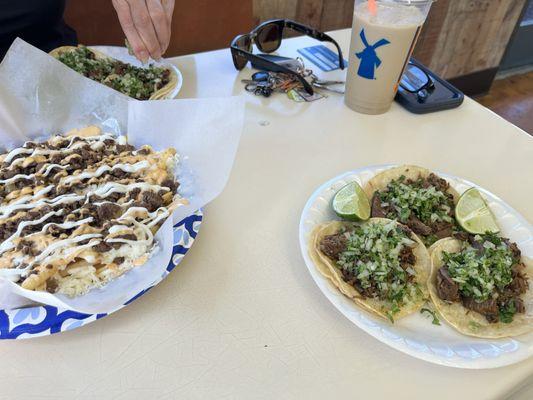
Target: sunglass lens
(243, 43)
(269, 38)
(414, 78)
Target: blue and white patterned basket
(25, 323)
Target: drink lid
(411, 2)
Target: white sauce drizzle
(64, 225)
(56, 249)
(64, 243)
(69, 149)
(105, 168)
(31, 176)
(8, 243)
(13, 153)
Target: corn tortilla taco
(150, 83)
(416, 197)
(379, 264)
(480, 284)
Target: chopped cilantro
(432, 314)
(479, 274)
(372, 260)
(139, 83)
(507, 312)
(473, 325)
(404, 198)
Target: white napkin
(39, 96)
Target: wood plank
(310, 12)
(511, 99)
(337, 14)
(431, 31)
(474, 36)
(268, 9)
(459, 38)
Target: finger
(168, 6)
(126, 21)
(145, 28)
(160, 22)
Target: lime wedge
(473, 214)
(351, 203)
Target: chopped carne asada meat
(377, 259)
(407, 257)
(488, 308)
(418, 226)
(378, 211)
(447, 289)
(486, 276)
(333, 245)
(425, 205)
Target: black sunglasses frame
(268, 65)
(298, 27)
(429, 85)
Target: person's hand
(147, 25)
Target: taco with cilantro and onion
(481, 285)
(415, 197)
(379, 264)
(149, 83)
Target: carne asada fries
(417, 198)
(480, 284)
(80, 210)
(150, 83)
(381, 265)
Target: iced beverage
(383, 38)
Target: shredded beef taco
(150, 83)
(382, 265)
(417, 198)
(481, 285)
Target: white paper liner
(39, 96)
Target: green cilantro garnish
(372, 258)
(432, 314)
(428, 204)
(507, 312)
(478, 275)
(139, 83)
(482, 269)
(474, 326)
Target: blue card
(322, 57)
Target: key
(261, 76)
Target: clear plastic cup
(383, 38)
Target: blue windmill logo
(369, 58)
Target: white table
(241, 318)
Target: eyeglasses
(267, 37)
(416, 80)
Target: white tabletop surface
(241, 318)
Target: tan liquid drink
(383, 37)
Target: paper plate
(38, 321)
(415, 335)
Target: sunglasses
(417, 81)
(267, 37)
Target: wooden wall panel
(269, 9)
(325, 14)
(474, 35)
(460, 36)
(198, 25)
(337, 14)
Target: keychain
(264, 83)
